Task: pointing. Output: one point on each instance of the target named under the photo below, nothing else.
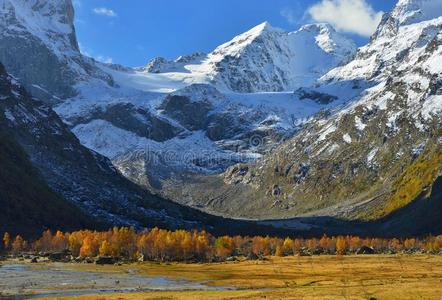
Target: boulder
(56, 256)
(88, 260)
(365, 250)
(105, 260)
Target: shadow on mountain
(419, 218)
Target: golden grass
(320, 277)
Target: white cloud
(103, 11)
(289, 15)
(354, 16)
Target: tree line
(182, 245)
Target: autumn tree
(46, 241)
(202, 245)
(89, 247)
(59, 242)
(124, 242)
(18, 245)
(105, 248)
(6, 241)
(224, 246)
(297, 245)
(278, 251)
(288, 247)
(340, 245)
(354, 243)
(312, 244)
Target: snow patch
(359, 125)
(9, 115)
(371, 155)
(432, 107)
(347, 138)
(329, 130)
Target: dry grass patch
(318, 277)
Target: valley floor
(317, 277)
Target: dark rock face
(156, 65)
(35, 56)
(135, 119)
(320, 98)
(192, 115)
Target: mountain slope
(28, 205)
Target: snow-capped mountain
(166, 106)
(318, 128)
(365, 160)
(266, 59)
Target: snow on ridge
(275, 60)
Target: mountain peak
(264, 27)
(259, 30)
(317, 27)
(407, 12)
(328, 39)
(413, 11)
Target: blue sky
(131, 32)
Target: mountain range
(297, 130)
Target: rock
(365, 250)
(88, 260)
(231, 258)
(141, 258)
(105, 260)
(262, 258)
(191, 114)
(317, 251)
(34, 260)
(252, 256)
(78, 259)
(304, 252)
(57, 256)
